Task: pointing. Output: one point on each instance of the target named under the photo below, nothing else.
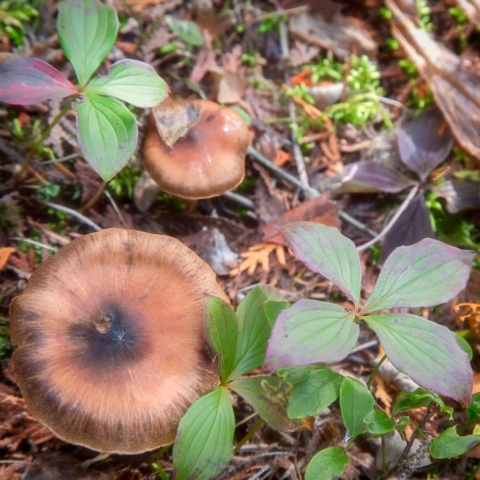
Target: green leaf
(473, 410)
(356, 402)
(253, 329)
(186, 30)
(326, 251)
(133, 82)
(106, 132)
(204, 443)
(402, 423)
(310, 332)
(317, 392)
(269, 397)
(273, 310)
(295, 375)
(464, 345)
(427, 352)
(419, 398)
(87, 30)
(222, 329)
(421, 275)
(327, 464)
(449, 444)
(378, 422)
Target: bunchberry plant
(204, 443)
(106, 129)
(313, 332)
(297, 341)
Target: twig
(430, 413)
(278, 13)
(297, 152)
(307, 190)
(265, 469)
(73, 213)
(115, 207)
(33, 242)
(240, 199)
(364, 346)
(393, 220)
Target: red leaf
(24, 81)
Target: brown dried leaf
(174, 119)
(318, 210)
(22, 264)
(339, 35)
(139, 5)
(89, 180)
(454, 86)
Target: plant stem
(432, 410)
(248, 436)
(374, 371)
(393, 220)
(44, 135)
(384, 455)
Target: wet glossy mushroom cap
(110, 340)
(207, 161)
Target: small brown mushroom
(195, 149)
(110, 340)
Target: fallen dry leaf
(259, 255)
(340, 35)
(5, 253)
(318, 210)
(454, 85)
(139, 5)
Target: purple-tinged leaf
(427, 352)
(425, 142)
(413, 225)
(311, 332)
(326, 251)
(421, 275)
(269, 398)
(367, 177)
(459, 194)
(24, 81)
(87, 30)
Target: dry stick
(297, 152)
(307, 190)
(115, 207)
(73, 213)
(393, 220)
(430, 413)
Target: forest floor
(323, 85)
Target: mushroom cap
(110, 340)
(207, 161)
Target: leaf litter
(239, 62)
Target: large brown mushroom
(195, 149)
(110, 340)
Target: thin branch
(393, 220)
(430, 413)
(307, 190)
(115, 207)
(73, 213)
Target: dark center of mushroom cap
(109, 340)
